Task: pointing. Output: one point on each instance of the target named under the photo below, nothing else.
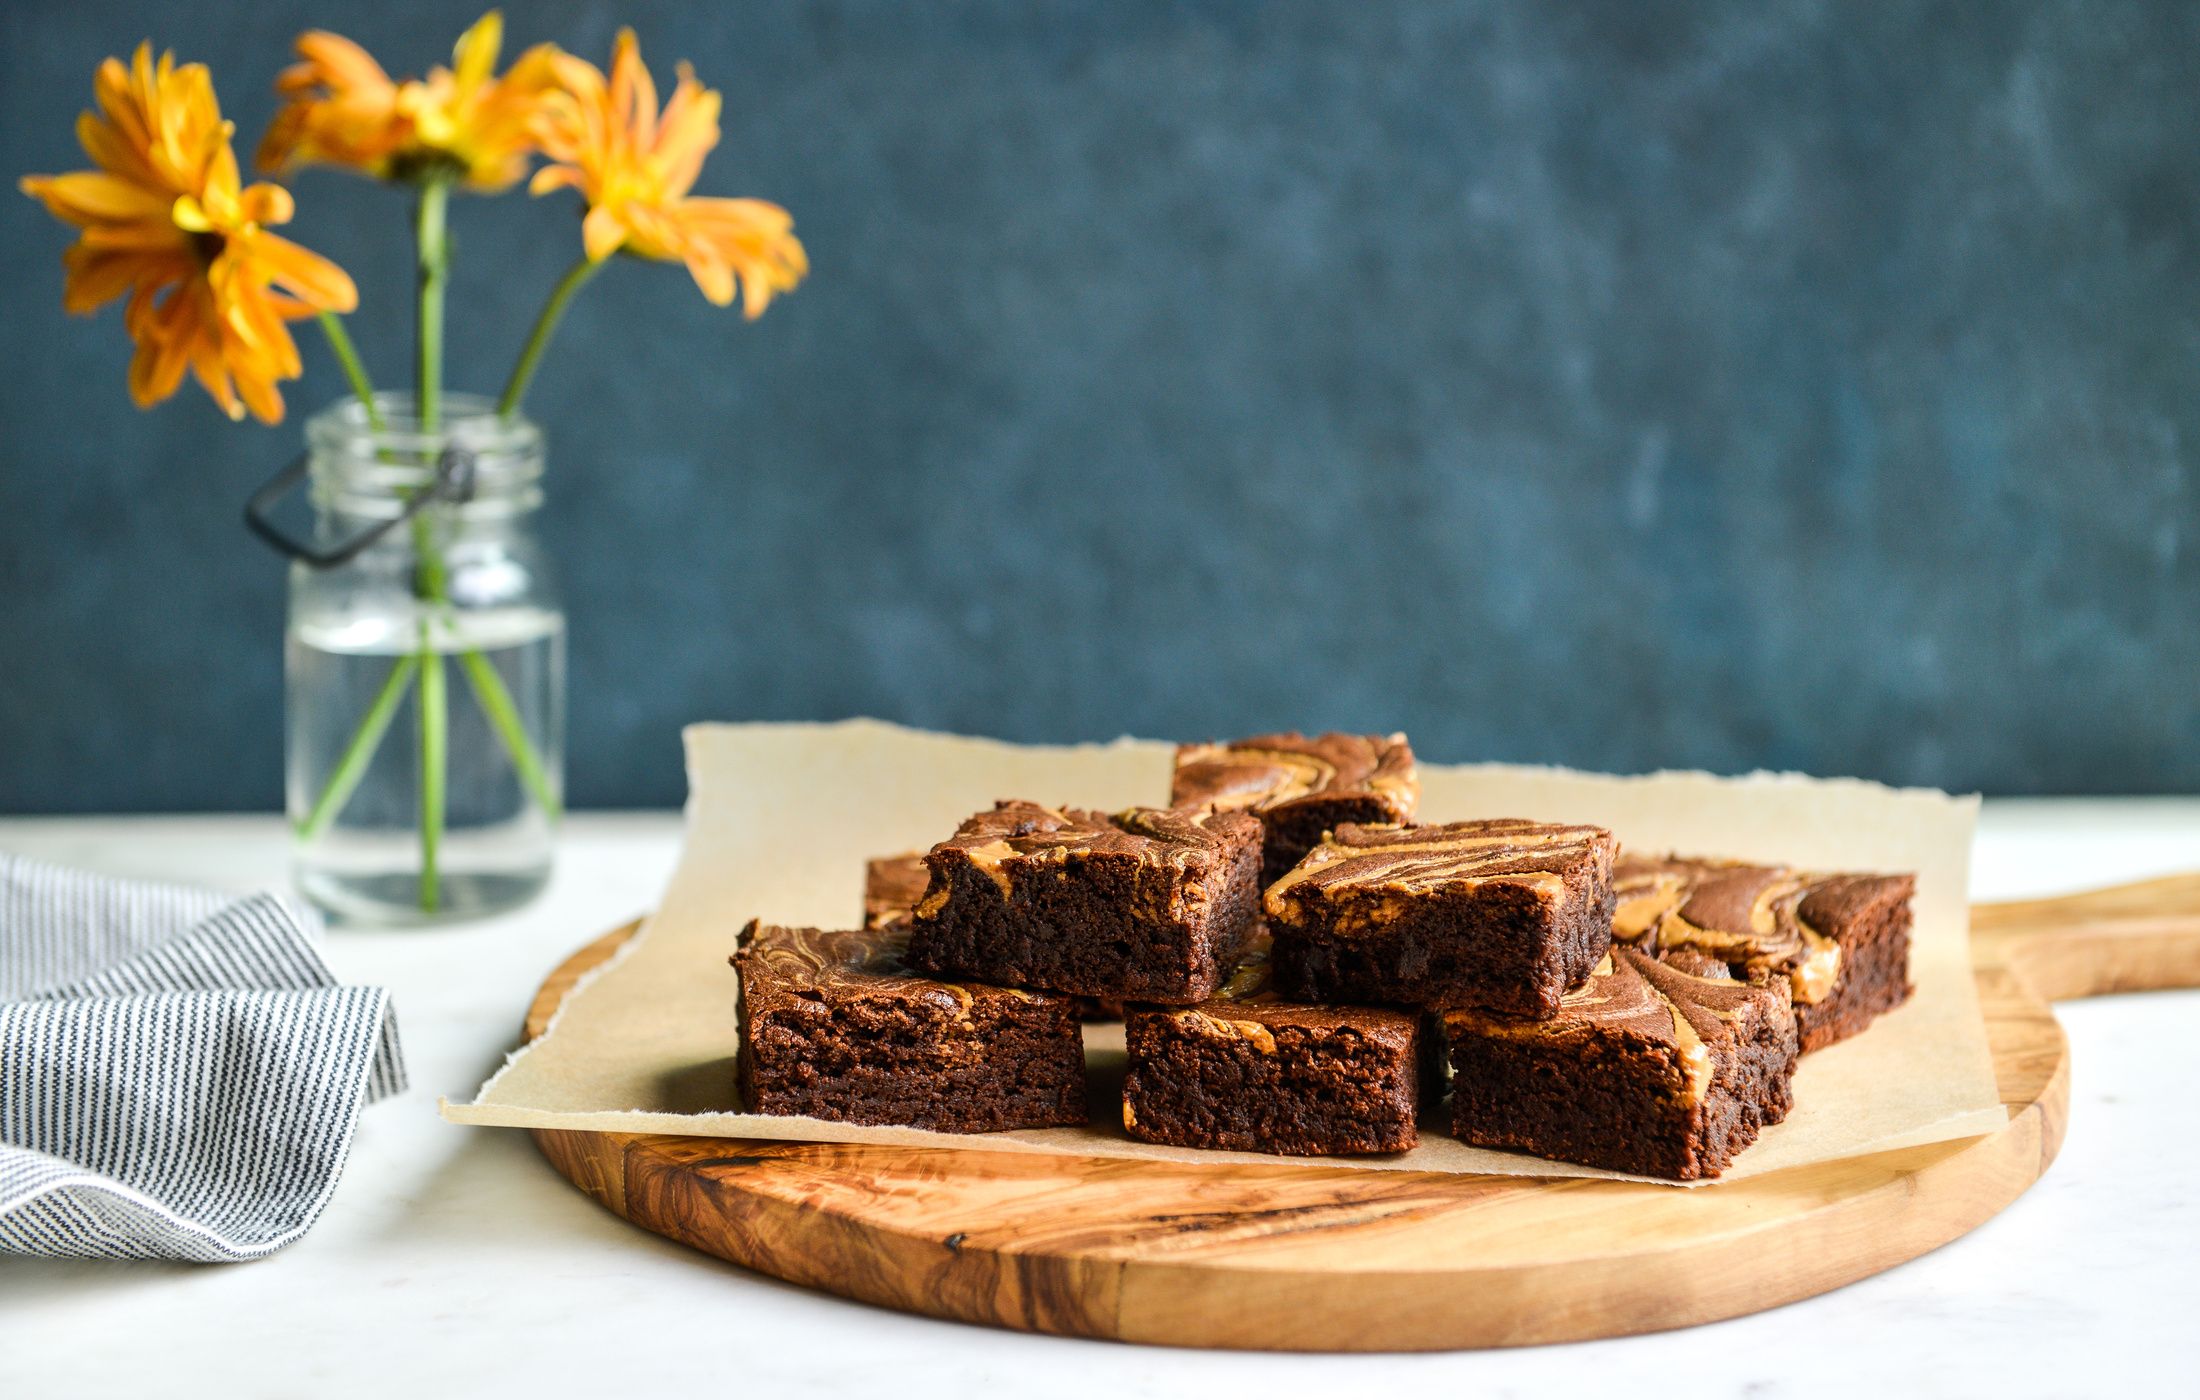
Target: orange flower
(165, 220)
(342, 109)
(635, 166)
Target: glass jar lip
(353, 457)
(469, 420)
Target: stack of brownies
(1299, 965)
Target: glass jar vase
(425, 673)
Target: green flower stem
(430, 579)
(432, 245)
(435, 719)
(431, 233)
(347, 355)
(496, 702)
(365, 741)
(538, 339)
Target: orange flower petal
(262, 397)
(687, 134)
(111, 88)
(553, 177)
(712, 275)
(167, 225)
(93, 196)
(156, 370)
(267, 342)
(340, 62)
(752, 218)
(312, 278)
(634, 166)
(602, 233)
(208, 368)
(96, 278)
(144, 235)
(342, 109)
(266, 204)
(633, 91)
(474, 57)
(111, 150)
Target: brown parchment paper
(781, 818)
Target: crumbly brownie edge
(1584, 933)
(1313, 1092)
(1294, 828)
(1751, 1089)
(1063, 927)
(1057, 931)
(1233, 911)
(1465, 952)
(1874, 979)
(1501, 946)
(1617, 1111)
(876, 1063)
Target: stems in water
(495, 700)
(359, 753)
(422, 672)
(434, 767)
(432, 236)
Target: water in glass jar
(360, 853)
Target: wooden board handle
(2126, 938)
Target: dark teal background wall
(1795, 384)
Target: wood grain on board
(1307, 1258)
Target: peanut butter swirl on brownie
(1772, 924)
(1502, 915)
(855, 963)
(1632, 995)
(1148, 904)
(1269, 770)
(1419, 859)
(892, 885)
(1249, 986)
(1026, 830)
(1299, 787)
(1644, 1068)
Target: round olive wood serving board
(1307, 1258)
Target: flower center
(208, 246)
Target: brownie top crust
(892, 885)
(853, 964)
(1269, 771)
(1427, 859)
(1029, 832)
(1762, 921)
(1631, 995)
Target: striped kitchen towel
(179, 1074)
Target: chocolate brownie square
(1839, 943)
(1251, 1072)
(1144, 905)
(1500, 915)
(1299, 787)
(834, 1025)
(1645, 1069)
(892, 885)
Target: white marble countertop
(453, 1261)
